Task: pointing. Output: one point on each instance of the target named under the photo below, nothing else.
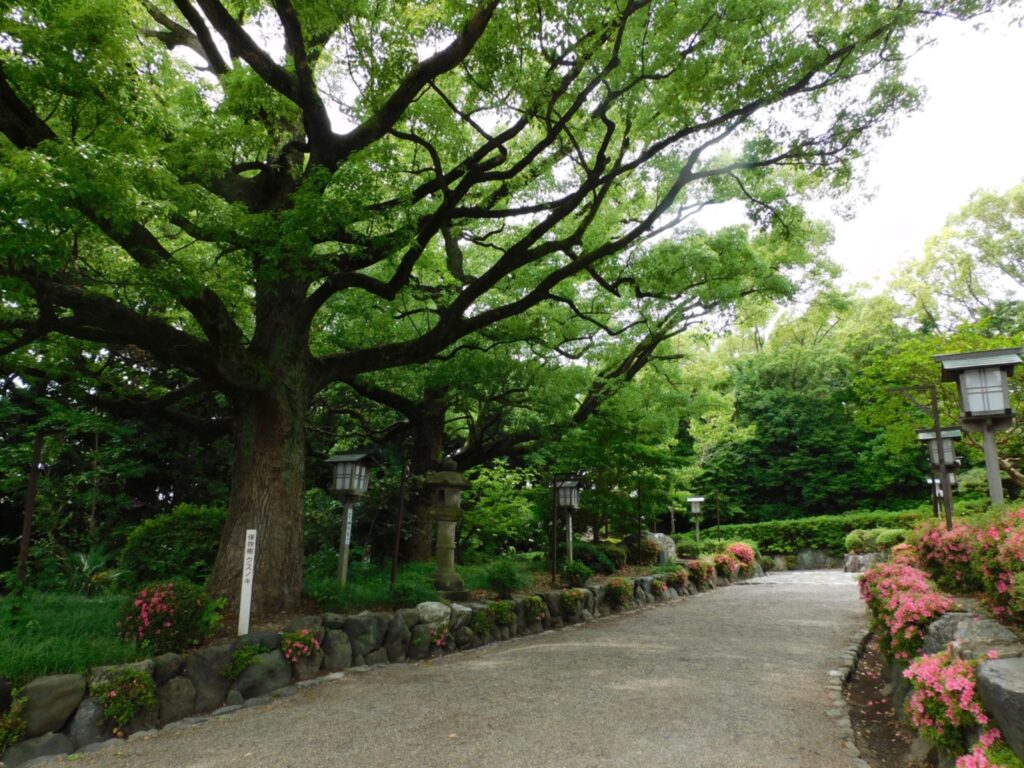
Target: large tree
(273, 196)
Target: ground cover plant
(56, 633)
(123, 694)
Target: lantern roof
(954, 364)
(947, 433)
(448, 476)
(347, 457)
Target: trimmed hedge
(179, 545)
(828, 532)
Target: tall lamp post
(984, 400)
(350, 480)
(567, 498)
(943, 459)
(696, 514)
(445, 488)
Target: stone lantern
(984, 400)
(445, 493)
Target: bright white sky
(969, 135)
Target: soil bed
(882, 736)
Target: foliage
(123, 694)
(701, 571)
(990, 752)
(440, 635)
(179, 545)
(299, 644)
(503, 612)
(679, 579)
(369, 588)
(1000, 561)
(827, 532)
(902, 603)
(595, 557)
(506, 576)
(862, 540)
(58, 633)
(12, 722)
(170, 616)
(944, 703)
(727, 565)
(648, 551)
(659, 588)
(482, 621)
(534, 608)
(948, 555)
(618, 592)
(614, 552)
(576, 573)
(242, 658)
(499, 511)
(743, 552)
(573, 600)
(91, 572)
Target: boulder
(411, 616)
(49, 703)
(380, 656)
(465, 638)
(422, 643)
(971, 635)
(337, 650)
(396, 640)
(269, 640)
(166, 666)
(308, 667)
(1001, 689)
(41, 746)
(233, 699)
(854, 563)
(433, 612)
(366, 631)
(268, 672)
(145, 720)
(100, 675)
(666, 546)
(460, 616)
(814, 560)
(88, 725)
(333, 620)
(553, 601)
(175, 699)
(205, 668)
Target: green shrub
(827, 532)
(854, 542)
(573, 600)
(12, 722)
(618, 592)
(506, 576)
(242, 658)
(887, 538)
(178, 545)
(123, 694)
(576, 573)
(172, 616)
(503, 612)
(615, 552)
(647, 552)
(678, 579)
(594, 557)
(482, 622)
(534, 609)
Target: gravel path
(731, 678)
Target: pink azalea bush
(745, 554)
(299, 645)
(903, 603)
(726, 564)
(944, 703)
(949, 556)
(700, 571)
(1000, 562)
(171, 616)
(990, 752)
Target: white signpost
(248, 568)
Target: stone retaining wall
(1000, 680)
(63, 717)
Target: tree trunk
(428, 445)
(267, 485)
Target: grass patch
(57, 633)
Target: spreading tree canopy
(271, 197)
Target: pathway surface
(733, 678)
